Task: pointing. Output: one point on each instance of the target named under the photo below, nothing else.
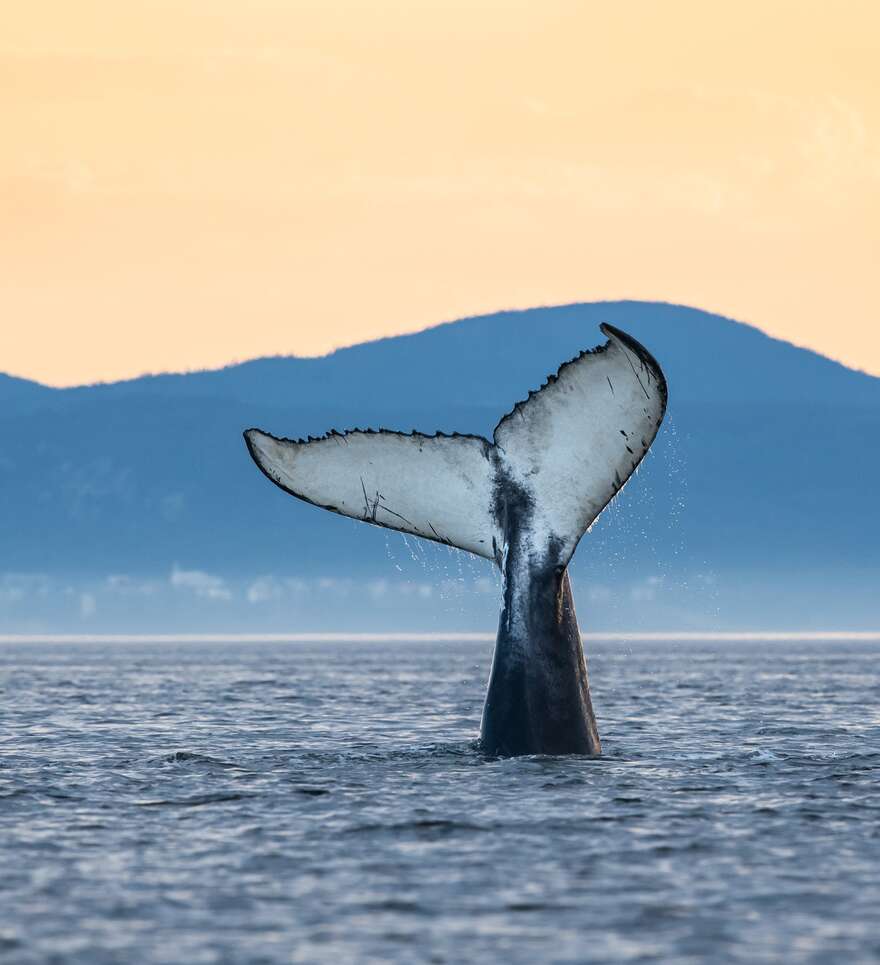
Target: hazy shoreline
(756, 636)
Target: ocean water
(208, 803)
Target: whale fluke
(524, 499)
(571, 446)
(438, 487)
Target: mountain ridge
(150, 382)
(760, 478)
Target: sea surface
(245, 803)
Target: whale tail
(558, 457)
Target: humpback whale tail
(524, 500)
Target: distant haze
(184, 184)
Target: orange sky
(184, 183)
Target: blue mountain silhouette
(761, 483)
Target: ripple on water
(284, 803)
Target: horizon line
(662, 636)
(510, 310)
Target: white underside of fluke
(438, 487)
(567, 450)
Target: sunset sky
(185, 184)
